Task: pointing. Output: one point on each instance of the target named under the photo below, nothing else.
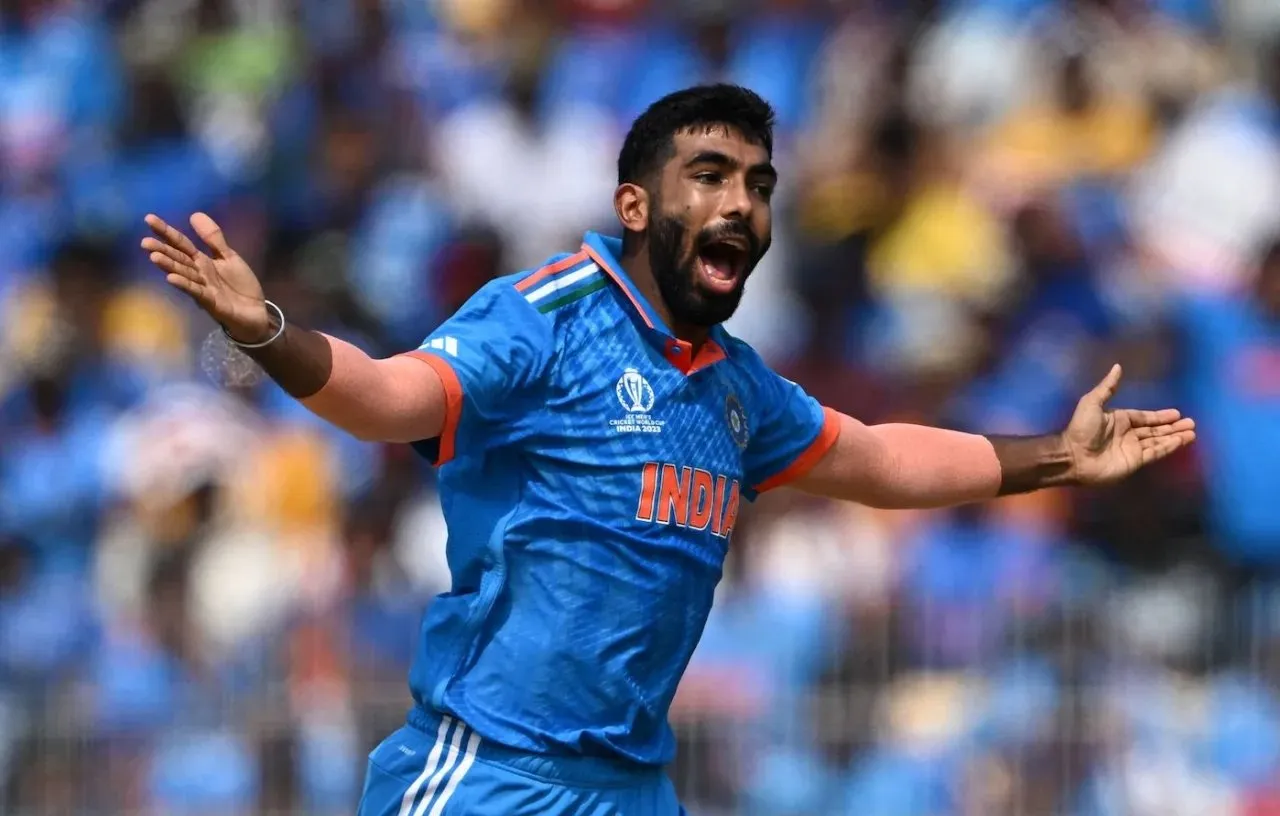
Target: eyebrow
(728, 162)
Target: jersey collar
(606, 251)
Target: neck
(640, 271)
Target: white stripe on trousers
(406, 804)
(473, 742)
(437, 771)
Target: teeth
(717, 271)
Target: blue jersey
(591, 472)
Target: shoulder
(568, 295)
(753, 383)
(563, 280)
(560, 283)
(537, 291)
(746, 363)
(552, 304)
(755, 380)
(737, 350)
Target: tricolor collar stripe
(596, 283)
(562, 282)
(549, 270)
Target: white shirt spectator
(540, 187)
(1210, 199)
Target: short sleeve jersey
(591, 471)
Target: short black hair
(651, 141)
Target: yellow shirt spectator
(947, 243)
(1081, 131)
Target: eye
(709, 177)
(764, 190)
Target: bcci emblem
(736, 418)
(636, 397)
(634, 392)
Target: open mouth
(723, 264)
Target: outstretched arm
(901, 466)
(398, 399)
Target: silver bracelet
(274, 337)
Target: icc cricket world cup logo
(634, 392)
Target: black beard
(676, 276)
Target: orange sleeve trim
(803, 463)
(452, 402)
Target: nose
(737, 204)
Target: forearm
(899, 466)
(924, 467)
(300, 360)
(934, 467)
(398, 399)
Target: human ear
(631, 203)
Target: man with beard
(596, 429)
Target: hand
(222, 284)
(1106, 446)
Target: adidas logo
(449, 345)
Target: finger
(171, 236)
(1156, 449)
(197, 292)
(1106, 389)
(1141, 419)
(173, 253)
(1185, 424)
(211, 234)
(1182, 437)
(171, 267)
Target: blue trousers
(451, 771)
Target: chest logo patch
(636, 397)
(634, 392)
(736, 418)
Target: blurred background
(208, 599)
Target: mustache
(730, 229)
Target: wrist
(256, 336)
(1065, 453)
(1033, 462)
(250, 335)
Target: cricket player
(596, 432)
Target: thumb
(1106, 389)
(211, 234)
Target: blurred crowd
(208, 599)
